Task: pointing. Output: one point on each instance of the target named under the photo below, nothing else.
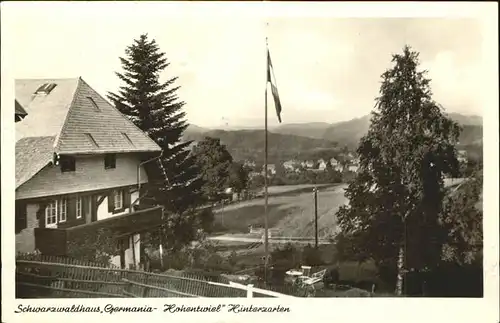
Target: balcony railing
(53, 241)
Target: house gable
(93, 125)
(72, 110)
(46, 113)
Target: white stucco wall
(102, 210)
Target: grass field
(291, 210)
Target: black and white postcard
(181, 161)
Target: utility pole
(315, 190)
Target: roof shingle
(32, 155)
(63, 120)
(69, 114)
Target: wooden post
(316, 217)
(133, 251)
(161, 257)
(250, 291)
(145, 289)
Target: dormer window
(91, 139)
(94, 104)
(127, 139)
(45, 88)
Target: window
(94, 104)
(92, 140)
(67, 164)
(118, 199)
(63, 208)
(45, 88)
(56, 212)
(79, 207)
(109, 161)
(51, 214)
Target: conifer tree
(155, 108)
(397, 197)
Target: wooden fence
(55, 277)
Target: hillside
(311, 130)
(249, 144)
(348, 133)
(316, 139)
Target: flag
(274, 89)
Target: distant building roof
(79, 120)
(19, 110)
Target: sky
(327, 68)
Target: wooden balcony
(55, 242)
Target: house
(249, 164)
(253, 174)
(290, 165)
(335, 164)
(79, 168)
(271, 169)
(308, 164)
(353, 168)
(321, 164)
(353, 165)
(462, 156)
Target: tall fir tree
(155, 108)
(396, 199)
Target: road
(271, 240)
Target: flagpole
(266, 229)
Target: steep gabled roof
(46, 113)
(80, 120)
(69, 117)
(32, 155)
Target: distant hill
(313, 139)
(195, 129)
(348, 133)
(466, 120)
(312, 129)
(249, 144)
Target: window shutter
(21, 217)
(111, 202)
(84, 206)
(71, 211)
(126, 198)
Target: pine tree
(155, 108)
(397, 196)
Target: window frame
(63, 206)
(67, 164)
(51, 207)
(109, 161)
(56, 211)
(121, 201)
(79, 207)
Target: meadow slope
(291, 213)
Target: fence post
(249, 291)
